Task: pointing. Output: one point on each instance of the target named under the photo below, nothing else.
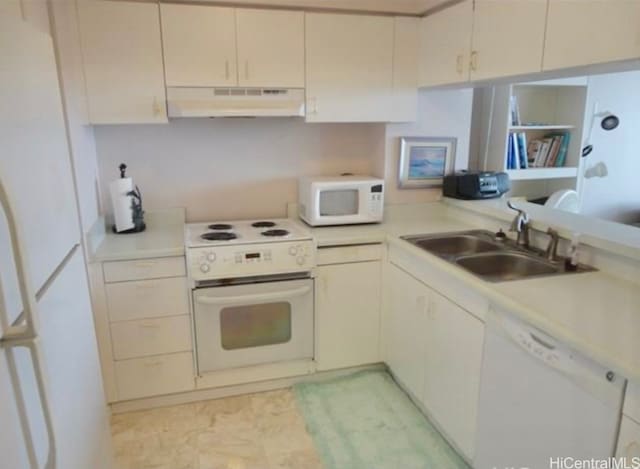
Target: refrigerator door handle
(36, 360)
(25, 334)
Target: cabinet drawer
(345, 254)
(121, 271)
(164, 374)
(133, 339)
(147, 299)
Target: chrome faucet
(552, 248)
(520, 225)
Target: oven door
(252, 324)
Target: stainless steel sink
(489, 257)
(456, 244)
(501, 266)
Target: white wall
(247, 168)
(232, 168)
(440, 114)
(617, 196)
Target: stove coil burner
(275, 233)
(220, 226)
(219, 236)
(263, 224)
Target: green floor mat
(365, 421)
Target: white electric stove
(233, 249)
(252, 292)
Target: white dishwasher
(540, 400)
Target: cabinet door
(589, 32)
(445, 45)
(405, 323)
(405, 70)
(270, 48)
(199, 45)
(453, 356)
(122, 54)
(347, 315)
(628, 439)
(508, 37)
(349, 67)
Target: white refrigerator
(52, 407)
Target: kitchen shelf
(542, 173)
(523, 128)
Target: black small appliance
(475, 185)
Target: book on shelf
(514, 110)
(549, 151)
(517, 156)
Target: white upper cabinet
(508, 37)
(405, 70)
(270, 48)
(199, 45)
(349, 70)
(445, 45)
(122, 54)
(589, 32)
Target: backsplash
(232, 168)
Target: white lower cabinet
(453, 340)
(153, 376)
(405, 325)
(144, 327)
(628, 439)
(132, 339)
(434, 349)
(347, 313)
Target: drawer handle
(145, 286)
(144, 265)
(153, 364)
(148, 325)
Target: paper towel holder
(137, 213)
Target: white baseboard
(234, 390)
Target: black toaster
(474, 185)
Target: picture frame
(424, 161)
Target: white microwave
(340, 200)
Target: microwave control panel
(376, 200)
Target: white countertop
(596, 313)
(163, 237)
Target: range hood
(234, 102)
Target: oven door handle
(244, 299)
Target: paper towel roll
(122, 203)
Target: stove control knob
(300, 260)
(293, 250)
(211, 256)
(204, 268)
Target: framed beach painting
(424, 161)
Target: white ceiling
(405, 7)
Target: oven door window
(255, 325)
(339, 202)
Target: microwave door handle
(243, 299)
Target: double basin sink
(491, 257)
